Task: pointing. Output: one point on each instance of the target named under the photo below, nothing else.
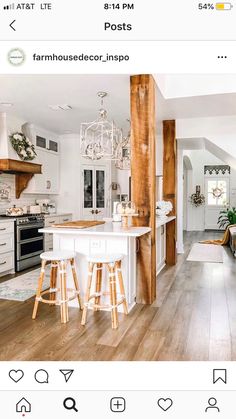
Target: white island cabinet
(108, 238)
(161, 241)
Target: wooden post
(143, 180)
(170, 186)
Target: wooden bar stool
(58, 260)
(113, 265)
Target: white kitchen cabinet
(161, 241)
(160, 248)
(49, 221)
(48, 181)
(159, 155)
(7, 261)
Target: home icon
(23, 406)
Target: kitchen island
(108, 238)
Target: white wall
(186, 85)
(200, 158)
(219, 130)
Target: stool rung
(106, 306)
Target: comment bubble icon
(42, 377)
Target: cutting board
(79, 224)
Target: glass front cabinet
(94, 189)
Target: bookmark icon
(67, 374)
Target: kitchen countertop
(57, 214)
(107, 229)
(162, 221)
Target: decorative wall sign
(5, 193)
(217, 169)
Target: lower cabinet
(160, 248)
(7, 261)
(49, 221)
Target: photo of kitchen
(117, 217)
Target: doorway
(94, 192)
(217, 196)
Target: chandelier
(123, 161)
(100, 138)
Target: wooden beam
(17, 166)
(170, 186)
(22, 181)
(143, 180)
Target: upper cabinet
(47, 155)
(46, 144)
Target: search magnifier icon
(70, 404)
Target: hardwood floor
(193, 319)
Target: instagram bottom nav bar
(129, 404)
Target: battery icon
(224, 6)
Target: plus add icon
(117, 404)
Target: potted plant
(227, 217)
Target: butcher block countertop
(105, 229)
(79, 224)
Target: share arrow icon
(67, 374)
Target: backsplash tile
(24, 200)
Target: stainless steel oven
(29, 241)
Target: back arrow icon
(11, 25)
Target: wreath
(197, 199)
(23, 146)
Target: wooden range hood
(24, 171)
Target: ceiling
(31, 96)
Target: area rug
(205, 253)
(22, 287)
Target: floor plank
(193, 318)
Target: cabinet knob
(92, 211)
(49, 184)
(97, 212)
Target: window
(217, 192)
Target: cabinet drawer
(51, 220)
(7, 227)
(65, 218)
(6, 262)
(48, 246)
(6, 243)
(48, 237)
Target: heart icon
(16, 375)
(165, 404)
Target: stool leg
(90, 278)
(64, 304)
(39, 289)
(113, 296)
(121, 283)
(72, 263)
(53, 281)
(98, 283)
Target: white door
(94, 191)
(217, 196)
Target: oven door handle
(30, 226)
(31, 240)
